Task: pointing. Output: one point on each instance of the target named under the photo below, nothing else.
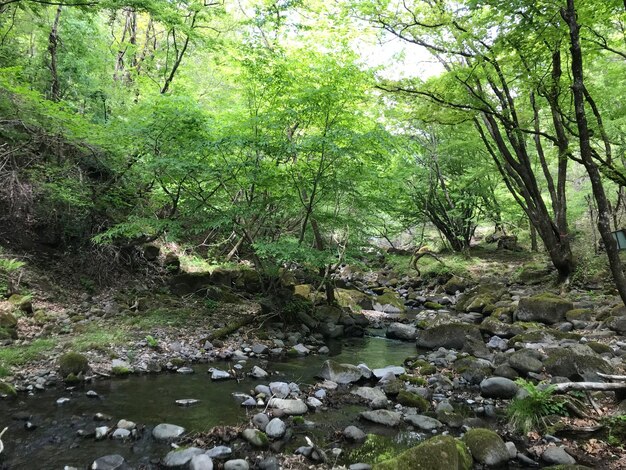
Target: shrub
(529, 412)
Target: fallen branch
(1, 444)
(601, 386)
(612, 377)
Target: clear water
(149, 400)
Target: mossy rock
(120, 371)
(292, 352)
(8, 320)
(479, 296)
(178, 361)
(412, 400)
(437, 453)
(73, 363)
(433, 305)
(8, 390)
(41, 317)
(353, 299)
(600, 348)
(532, 275)
(412, 379)
(23, 302)
(576, 364)
(473, 370)
(388, 302)
(543, 336)
(579, 314)
(455, 284)
(545, 308)
(303, 290)
(486, 446)
(494, 326)
(503, 314)
(8, 333)
(450, 336)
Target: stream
(150, 399)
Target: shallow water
(149, 400)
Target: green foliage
(19, 355)
(152, 342)
(616, 426)
(529, 413)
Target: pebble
(164, 431)
(62, 400)
(185, 370)
(258, 373)
(92, 394)
(121, 434)
(238, 464)
(187, 401)
(275, 428)
(219, 452)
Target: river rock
(369, 393)
(525, 361)
(260, 349)
(110, 462)
(238, 464)
(275, 428)
(121, 434)
(558, 456)
(354, 434)
(187, 401)
(313, 402)
(101, 432)
(425, 423)
(340, 373)
(301, 349)
(219, 452)
(289, 407)
(401, 331)
(280, 389)
(180, 457)
(545, 308)
(217, 374)
(125, 424)
(258, 373)
(201, 462)
(260, 420)
(486, 447)
(255, 437)
(498, 387)
(384, 417)
(383, 371)
(165, 432)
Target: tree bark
(586, 151)
(53, 46)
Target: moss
(465, 458)
(412, 400)
(8, 390)
(599, 348)
(433, 305)
(486, 446)
(177, 362)
(390, 298)
(412, 379)
(437, 453)
(71, 379)
(73, 363)
(543, 336)
(292, 352)
(120, 371)
(581, 314)
(298, 420)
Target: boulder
(545, 308)
(557, 455)
(455, 284)
(576, 363)
(369, 393)
(498, 387)
(486, 447)
(340, 373)
(388, 302)
(401, 331)
(525, 361)
(255, 437)
(450, 336)
(180, 458)
(437, 453)
(354, 434)
(276, 428)
(73, 363)
(353, 299)
(494, 326)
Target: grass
(11, 356)
(95, 337)
(177, 317)
(530, 413)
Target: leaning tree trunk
(586, 151)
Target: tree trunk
(586, 151)
(53, 45)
